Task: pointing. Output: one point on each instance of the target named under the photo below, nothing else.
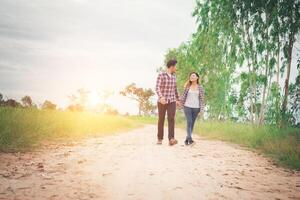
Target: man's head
(171, 65)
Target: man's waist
(169, 100)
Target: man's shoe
(159, 142)
(172, 142)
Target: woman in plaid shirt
(193, 103)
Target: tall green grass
(23, 128)
(282, 145)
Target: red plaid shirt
(166, 87)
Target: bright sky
(49, 49)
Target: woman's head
(193, 78)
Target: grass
(145, 119)
(281, 145)
(21, 129)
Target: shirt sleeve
(158, 84)
(201, 96)
(176, 93)
(183, 97)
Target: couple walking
(192, 101)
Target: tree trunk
(263, 101)
(251, 94)
(250, 72)
(278, 62)
(262, 109)
(289, 62)
(140, 110)
(255, 90)
(268, 92)
(286, 83)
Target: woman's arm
(183, 97)
(201, 99)
(176, 93)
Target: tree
(12, 103)
(111, 111)
(49, 105)
(1, 99)
(290, 15)
(27, 101)
(78, 100)
(75, 107)
(245, 45)
(104, 106)
(9, 102)
(141, 96)
(295, 97)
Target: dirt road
(131, 166)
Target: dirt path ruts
(131, 166)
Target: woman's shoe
(186, 142)
(191, 142)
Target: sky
(49, 49)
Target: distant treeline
(79, 101)
(76, 104)
(26, 102)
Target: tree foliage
(48, 105)
(142, 96)
(242, 49)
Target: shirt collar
(169, 75)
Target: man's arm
(158, 84)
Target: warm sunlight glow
(94, 98)
(103, 98)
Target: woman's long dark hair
(189, 82)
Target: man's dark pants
(170, 108)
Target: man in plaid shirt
(168, 97)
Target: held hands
(178, 103)
(162, 100)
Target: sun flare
(93, 99)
